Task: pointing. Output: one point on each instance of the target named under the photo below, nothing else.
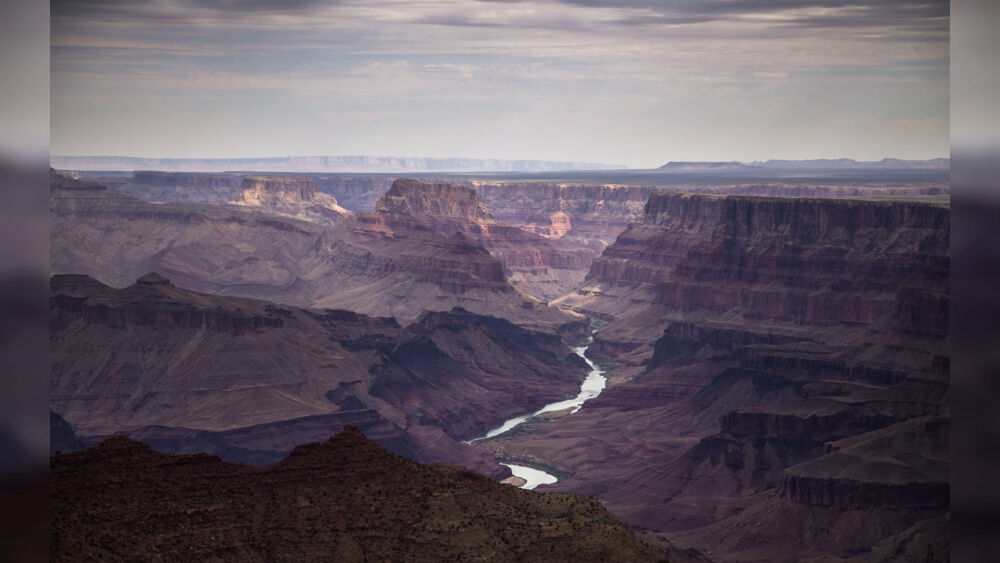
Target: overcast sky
(635, 82)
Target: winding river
(590, 388)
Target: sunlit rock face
(290, 196)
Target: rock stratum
(779, 374)
(291, 197)
(345, 499)
(537, 265)
(356, 264)
(249, 379)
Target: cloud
(180, 11)
(914, 14)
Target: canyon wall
(536, 265)
(250, 379)
(235, 250)
(779, 369)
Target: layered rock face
(538, 266)
(344, 499)
(595, 214)
(763, 350)
(291, 196)
(233, 250)
(249, 379)
(590, 215)
(794, 262)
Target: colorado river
(590, 388)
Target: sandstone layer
(249, 379)
(345, 499)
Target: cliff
(248, 379)
(800, 263)
(345, 499)
(291, 196)
(236, 250)
(538, 266)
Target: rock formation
(233, 250)
(291, 196)
(249, 379)
(762, 351)
(534, 264)
(345, 499)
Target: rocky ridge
(289, 196)
(345, 498)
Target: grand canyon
(497, 280)
(759, 359)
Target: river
(590, 388)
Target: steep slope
(291, 196)
(538, 266)
(345, 499)
(804, 265)
(249, 379)
(232, 250)
(747, 335)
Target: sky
(631, 82)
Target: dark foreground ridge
(344, 500)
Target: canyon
(776, 350)
(396, 268)
(771, 360)
(249, 379)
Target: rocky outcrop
(291, 196)
(425, 200)
(538, 266)
(248, 379)
(235, 250)
(345, 499)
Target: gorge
(774, 357)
